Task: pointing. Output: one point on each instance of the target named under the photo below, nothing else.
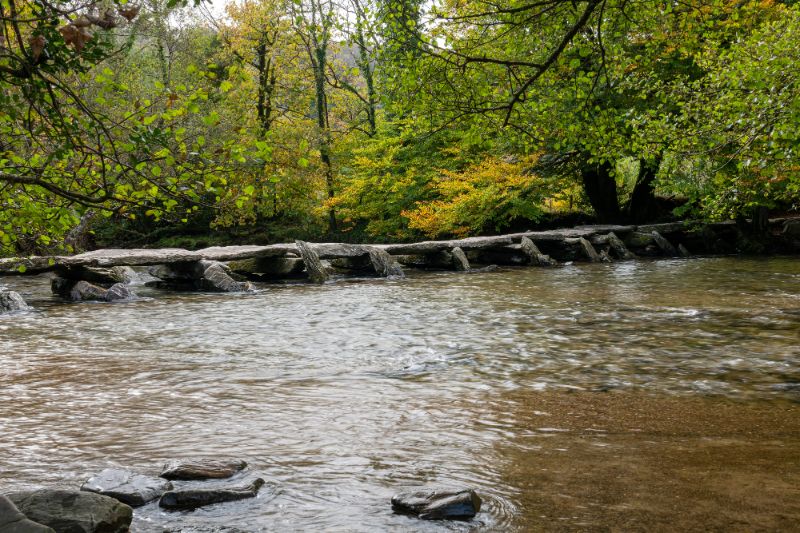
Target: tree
(359, 27)
(314, 24)
(590, 83)
(74, 139)
(739, 123)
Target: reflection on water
(624, 396)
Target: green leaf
(211, 119)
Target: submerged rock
(72, 511)
(314, 267)
(619, 248)
(118, 291)
(664, 245)
(98, 275)
(791, 228)
(441, 260)
(269, 267)
(384, 264)
(217, 277)
(588, 250)
(126, 486)
(192, 469)
(439, 504)
(11, 301)
(460, 261)
(193, 498)
(638, 239)
(12, 521)
(124, 274)
(535, 256)
(198, 275)
(83, 291)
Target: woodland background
(157, 123)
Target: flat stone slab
(108, 258)
(144, 257)
(429, 247)
(73, 511)
(12, 521)
(112, 257)
(27, 265)
(185, 499)
(128, 487)
(193, 469)
(438, 504)
(666, 227)
(333, 250)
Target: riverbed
(643, 395)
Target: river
(647, 395)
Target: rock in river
(189, 469)
(438, 504)
(11, 301)
(83, 291)
(193, 498)
(12, 521)
(126, 486)
(73, 511)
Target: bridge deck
(143, 257)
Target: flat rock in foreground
(73, 511)
(438, 504)
(192, 469)
(126, 486)
(186, 499)
(12, 521)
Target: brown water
(633, 396)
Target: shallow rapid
(631, 395)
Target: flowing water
(644, 395)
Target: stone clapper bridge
(101, 274)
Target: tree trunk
(642, 204)
(324, 131)
(266, 87)
(601, 189)
(760, 221)
(366, 68)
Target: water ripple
(342, 394)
